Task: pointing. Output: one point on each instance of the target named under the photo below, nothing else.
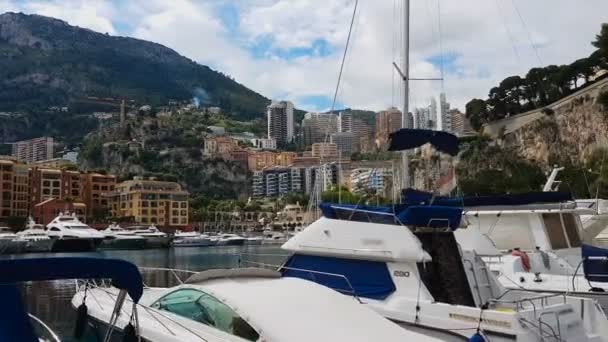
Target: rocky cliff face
(569, 131)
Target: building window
(144, 220)
(184, 204)
(175, 205)
(174, 220)
(184, 220)
(144, 211)
(56, 184)
(184, 212)
(175, 213)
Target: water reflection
(51, 300)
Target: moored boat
(154, 237)
(230, 240)
(119, 238)
(9, 242)
(71, 235)
(240, 305)
(35, 237)
(192, 239)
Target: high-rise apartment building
(317, 127)
(387, 122)
(33, 150)
(376, 180)
(14, 195)
(345, 122)
(460, 123)
(364, 140)
(345, 143)
(446, 120)
(277, 182)
(280, 122)
(151, 202)
(433, 115)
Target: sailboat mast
(406, 88)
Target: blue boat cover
(416, 215)
(124, 274)
(408, 138)
(368, 279)
(595, 270)
(15, 324)
(417, 197)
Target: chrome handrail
(342, 276)
(46, 327)
(171, 270)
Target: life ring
(525, 259)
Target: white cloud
(476, 31)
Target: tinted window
(204, 308)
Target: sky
(292, 49)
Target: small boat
(275, 239)
(71, 235)
(192, 239)
(9, 242)
(35, 237)
(237, 305)
(254, 240)
(19, 325)
(414, 272)
(119, 238)
(154, 237)
(230, 240)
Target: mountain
(47, 62)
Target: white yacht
(241, 305)
(192, 239)
(537, 247)
(154, 237)
(230, 240)
(71, 235)
(420, 276)
(119, 238)
(35, 237)
(254, 240)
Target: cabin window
(571, 230)
(562, 230)
(206, 309)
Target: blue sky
(291, 49)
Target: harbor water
(50, 300)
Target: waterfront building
(240, 157)
(14, 187)
(280, 122)
(33, 150)
(151, 202)
(387, 122)
(47, 183)
(45, 211)
(317, 127)
(95, 185)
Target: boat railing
(174, 272)
(519, 303)
(49, 334)
(312, 273)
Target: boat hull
(75, 245)
(123, 244)
(38, 246)
(157, 241)
(193, 243)
(235, 242)
(11, 246)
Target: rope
(525, 26)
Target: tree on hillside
(601, 40)
(477, 112)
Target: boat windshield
(206, 309)
(78, 227)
